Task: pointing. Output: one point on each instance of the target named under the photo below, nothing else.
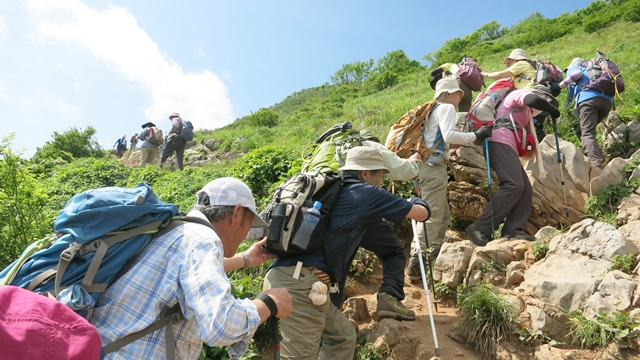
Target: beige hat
(575, 62)
(517, 54)
(228, 191)
(368, 135)
(364, 158)
(175, 114)
(447, 85)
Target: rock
(452, 263)
(614, 293)
(632, 231)
(611, 175)
(547, 233)
(629, 209)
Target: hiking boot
(476, 236)
(390, 307)
(521, 237)
(413, 270)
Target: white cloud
(112, 35)
(3, 27)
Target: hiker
(149, 147)
(316, 327)
(523, 73)
(380, 237)
(187, 265)
(511, 204)
(121, 146)
(453, 71)
(593, 107)
(439, 132)
(173, 142)
(134, 142)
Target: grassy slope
(307, 113)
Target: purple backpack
(469, 74)
(604, 75)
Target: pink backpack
(32, 326)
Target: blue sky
(117, 64)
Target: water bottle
(310, 219)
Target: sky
(114, 65)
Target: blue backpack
(186, 133)
(95, 236)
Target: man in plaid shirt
(187, 265)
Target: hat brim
(362, 168)
(257, 221)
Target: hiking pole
(489, 184)
(416, 241)
(275, 336)
(559, 155)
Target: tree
(70, 145)
(22, 204)
(396, 62)
(353, 73)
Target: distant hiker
(133, 141)
(468, 75)
(186, 265)
(439, 132)
(174, 143)
(511, 204)
(121, 146)
(152, 139)
(312, 278)
(593, 107)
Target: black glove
(417, 201)
(483, 133)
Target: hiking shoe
(476, 236)
(413, 270)
(522, 237)
(390, 307)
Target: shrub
(363, 263)
(604, 329)
(624, 263)
(485, 318)
(540, 249)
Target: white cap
(447, 85)
(228, 191)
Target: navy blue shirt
(356, 205)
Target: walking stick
(559, 155)
(416, 241)
(275, 336)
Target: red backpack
(483, 109)
(469, 74)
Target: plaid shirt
(184, 265)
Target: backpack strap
(168, 316)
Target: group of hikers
(186, 265)
(153, 140)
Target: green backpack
(329, 151)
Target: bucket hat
(517, 54)
(364, 158)
(174, 114)
(368, 135)
(447, 85)
(541, 89)
(574, 62)
(228, 191)
(149, 124)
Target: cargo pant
(433, 189)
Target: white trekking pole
(416, 240)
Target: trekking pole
(416, 241)
(559, 156)
(275, 336)
(489, 184)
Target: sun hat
(517, 54)
(364, 158)
(174, 114)
(574, 62)
(541, 89)
(447, 85)
(33, 326)
(228, 191)
(368, 135)
(149, 124)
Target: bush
(540, 249)
(604, 329)
(624, 263)
(485, 319)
